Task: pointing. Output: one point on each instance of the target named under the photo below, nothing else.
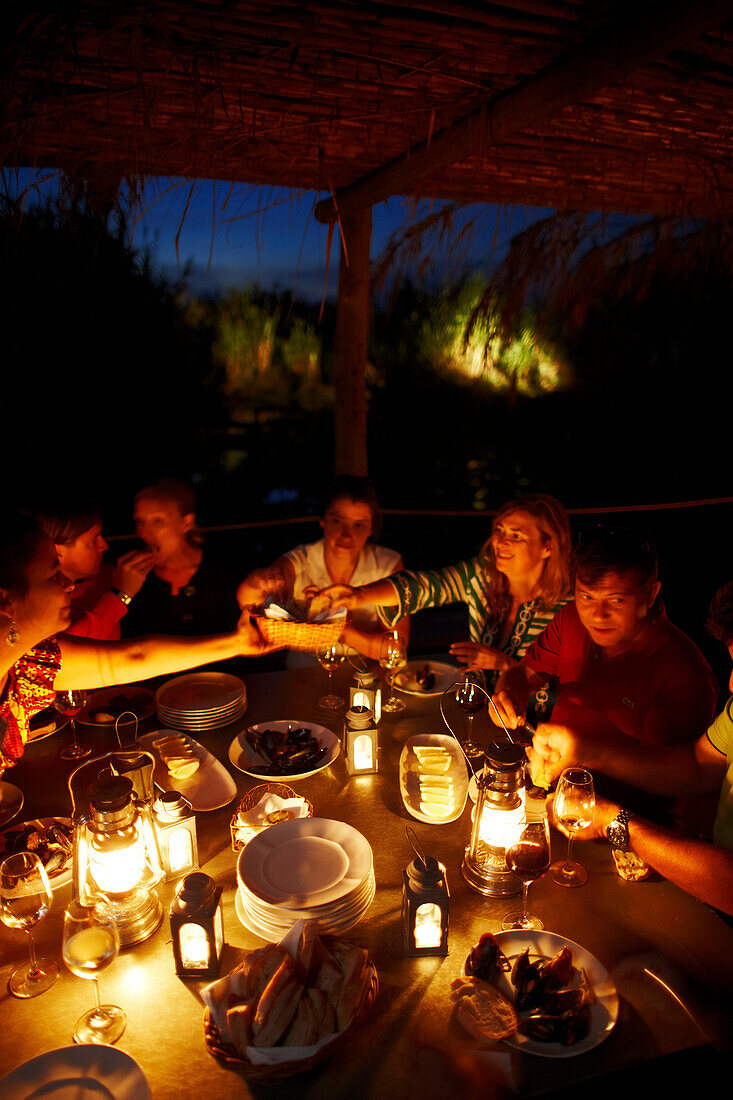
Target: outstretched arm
(276, 580)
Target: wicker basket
(303, 636)
(252, 1072)
(250, 800)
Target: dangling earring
(12, 637)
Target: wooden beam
(605, 60)
(352, 325)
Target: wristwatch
(618, 830)
(127, 600)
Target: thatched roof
(585, 104)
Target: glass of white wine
(25, 898)
(392, 657)
(91, 943)
(573, 808)
(331, 657)
(69, 703)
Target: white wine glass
(25, 898)
(573, 808)
(392, 657)
(69, 703)
(331, 657)
(528, 857)
(91, 944)
(471, 697)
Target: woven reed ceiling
(319, 95)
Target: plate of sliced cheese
(433, 778)
(183, 765)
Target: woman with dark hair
(513, 588)
(102, 592)
(186, 592)
(35, 663)
(344, 556)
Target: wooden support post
(352, 325)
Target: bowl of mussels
(287, 749)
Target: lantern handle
(453, 733)
(117, 728)
(416, 845)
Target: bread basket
(250, 800)
(298, 635)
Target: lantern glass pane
(428, 925)
(194, 944)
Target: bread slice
(630, 866)
(260, 965)
(240, 1019)
(485, 1012)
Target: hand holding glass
(574, 806)
(91, 944)
(25, 898)
(528, 857)
(330, 657)
(392, 657)
(69, 703)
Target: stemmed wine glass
(528, 857)
(392, 657)
(69, 703)
(330, 657)
(25, 898)
(471, 697)
(91, 943)
(574, 806)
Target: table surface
(636, 930)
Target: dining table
(669, 955)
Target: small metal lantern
(425, 904)
(496, 816)
(116, 850)
(176, 828)
(361, 742)
(366, 691)
(197, 927)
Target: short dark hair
(720, 615)
(66, 522)
(604, 549)
(358, 489)
(20, 537)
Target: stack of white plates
(307, 869)
(201, 701)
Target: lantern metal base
(491, 882)
(137, 915)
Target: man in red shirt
(619, 664)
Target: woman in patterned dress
(513, 588)
(35, 603)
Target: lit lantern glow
(366, 691)
(176, 828)
(197, 928)
(428, 925)
(425, 907)
(360, 742)
(497, 815)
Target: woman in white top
(343, 556)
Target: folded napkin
(256, 818)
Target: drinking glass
(70, 703)
(91, 943)
(471, 698)
(25, 898)
(574, 806)
(528, 857)
(330, 657)
(392, 657)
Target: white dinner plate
(444, 674)
(210, 787)
(604, 1012)
(277, 914)
(83, 1072)
(250, 762)
(274, 934)
(98, 700)
(56, 878)
(410, 771)
(305, 862)
(11, 802)
(200, 691)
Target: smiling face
(160, 524)
(346, 525)
(614, 610)
(83, 556)
(520, 549)
(45, 608)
